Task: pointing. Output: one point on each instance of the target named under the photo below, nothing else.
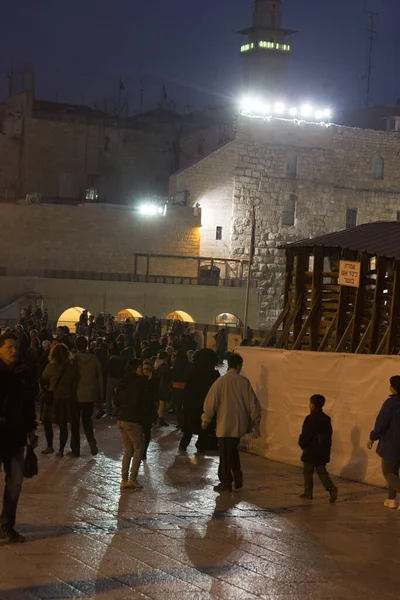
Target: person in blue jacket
(387, 432)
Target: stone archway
(70, 317)
(127, 313)
(227, 320)
(181, 315)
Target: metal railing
(126, 277)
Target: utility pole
(251, 256)
(141, 96)
(10, 77)
(372, 38)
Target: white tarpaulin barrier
(355, 387)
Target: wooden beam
(391, 346)
(289, 273)
(364, 339)
(311, 318)
(383, 342)
(317, 281)
(276, 326)
(359, 308)
(328, 332)
(378, 298)
(345, 335)
(301, 268)
(343, 299)
(289, 322)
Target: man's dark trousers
(229, 462)
(84, 409)
(14, 471)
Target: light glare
(256, 107)
(306, 110)
(150, 210)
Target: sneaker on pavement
(134, 485)
(72, 454)
(100, 414)
(10, 536)
(333, 493)
(124, 484)
(48, 450)
(94, 449)
(390, 503)
(306, 497)
(222, 488)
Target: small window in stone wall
(289, 211)
(351, 218)
(218, 233)
(291, 164)
(378, 167)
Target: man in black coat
(316, 441)
(17, 426)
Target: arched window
(378, 167)
(289, 211)
(291, 164)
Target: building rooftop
(381, 238)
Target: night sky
(81, 48)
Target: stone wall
(10, 157)
(334, 173)
(202, 303)
(91, 238)
(211, 183)
(63, 150)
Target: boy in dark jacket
(316, 441)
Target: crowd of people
(140, 376)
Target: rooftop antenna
(372, 38)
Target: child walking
(316, 441)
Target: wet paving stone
(177, 539)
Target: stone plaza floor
(177, 539)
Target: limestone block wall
(202, 303)
(211, 183)
(35, 238)
(334, 173)
(10, 162)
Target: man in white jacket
(238, 412)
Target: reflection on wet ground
(177, 539)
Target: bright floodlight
(319, 115)
(148, 209)
(246, 105)
(279, 108)
(258, 106)
(293, 111)
(327, 113)
(306, 110)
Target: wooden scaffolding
(325, 311)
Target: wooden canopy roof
(381, 238)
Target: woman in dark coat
(200, 380)
(180, 372)
(60, 377)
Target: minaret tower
(266, 50)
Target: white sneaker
(390, 503)
(124, 484)
(134, 485)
